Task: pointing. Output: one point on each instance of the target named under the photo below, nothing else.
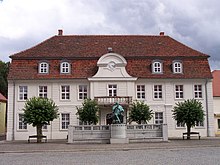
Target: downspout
(206, 98)
(13, 114)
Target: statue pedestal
(118, 134)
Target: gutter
(13, 113)
(206, 98)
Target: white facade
(111, 71)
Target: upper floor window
(43, 67)
(65, 92)
(140, 91)
(23, 92)
(179, 91)
(177, 67)
(112, 90)
(157, 91)
(42, 91)
(198, 91)
(83, 92)
(64, 67)
(157, 67)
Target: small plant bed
(35, 137)
(191, 134)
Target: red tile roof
(216, 83)
(2, 98)
(83, 52)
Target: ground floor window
(21, 124)
(158, 117)
(180, 125)
(218, 123)
(199, 124)
(65, 120)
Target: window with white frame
(200, 124)
(23, 93)
(197, 91)
(177, 67)
(64, 67)
(65, 92)
(140, 91)
(180, 125)
(157, 91)
(21, 124)
(112, 90)
(83, 92)
(179, 91)
(44, 127)
(157, 67)
(43, 67)
(158, 117)
(42, 91)
(65, 120)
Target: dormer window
(157, 67)
(177, 67)
(43, 67)
(64, 67)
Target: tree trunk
(39, 133)
(188, 131)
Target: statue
(117, 111)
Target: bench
(35, 137)
(191, 133)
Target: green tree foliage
(39, 111)
(188, 112)
(88, 113)
(4, 67)
(140, 112)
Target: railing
(145, 127)
(103, 100)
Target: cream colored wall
(216, 103)
(99, 88)
(2, 117)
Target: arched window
(157, 67)
(43, 67)
(177, 67)
(64, 67)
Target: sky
(195, 23)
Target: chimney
(161, 33)
(60, 32)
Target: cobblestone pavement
(62, 146)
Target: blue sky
(25, 23)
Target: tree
(188, 112)
(140, 112)
(4, 67)
(38, 112)
(88, 112)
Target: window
(141, 91)
(21, 124)
(158, 91)
(64, 67)
(158, 117)
(23, 92)
(112, 90)
(180, 125)
(198, 91)
(43, 67)
(218, 123)
(177, 67)
(179, 91)
(44, 126)
(157, 67)
(65, 92)
(83, 92)
(42, 91)
(199, 124)
(65, 120)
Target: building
(109, 68)
(216, 100)
(3, 102)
